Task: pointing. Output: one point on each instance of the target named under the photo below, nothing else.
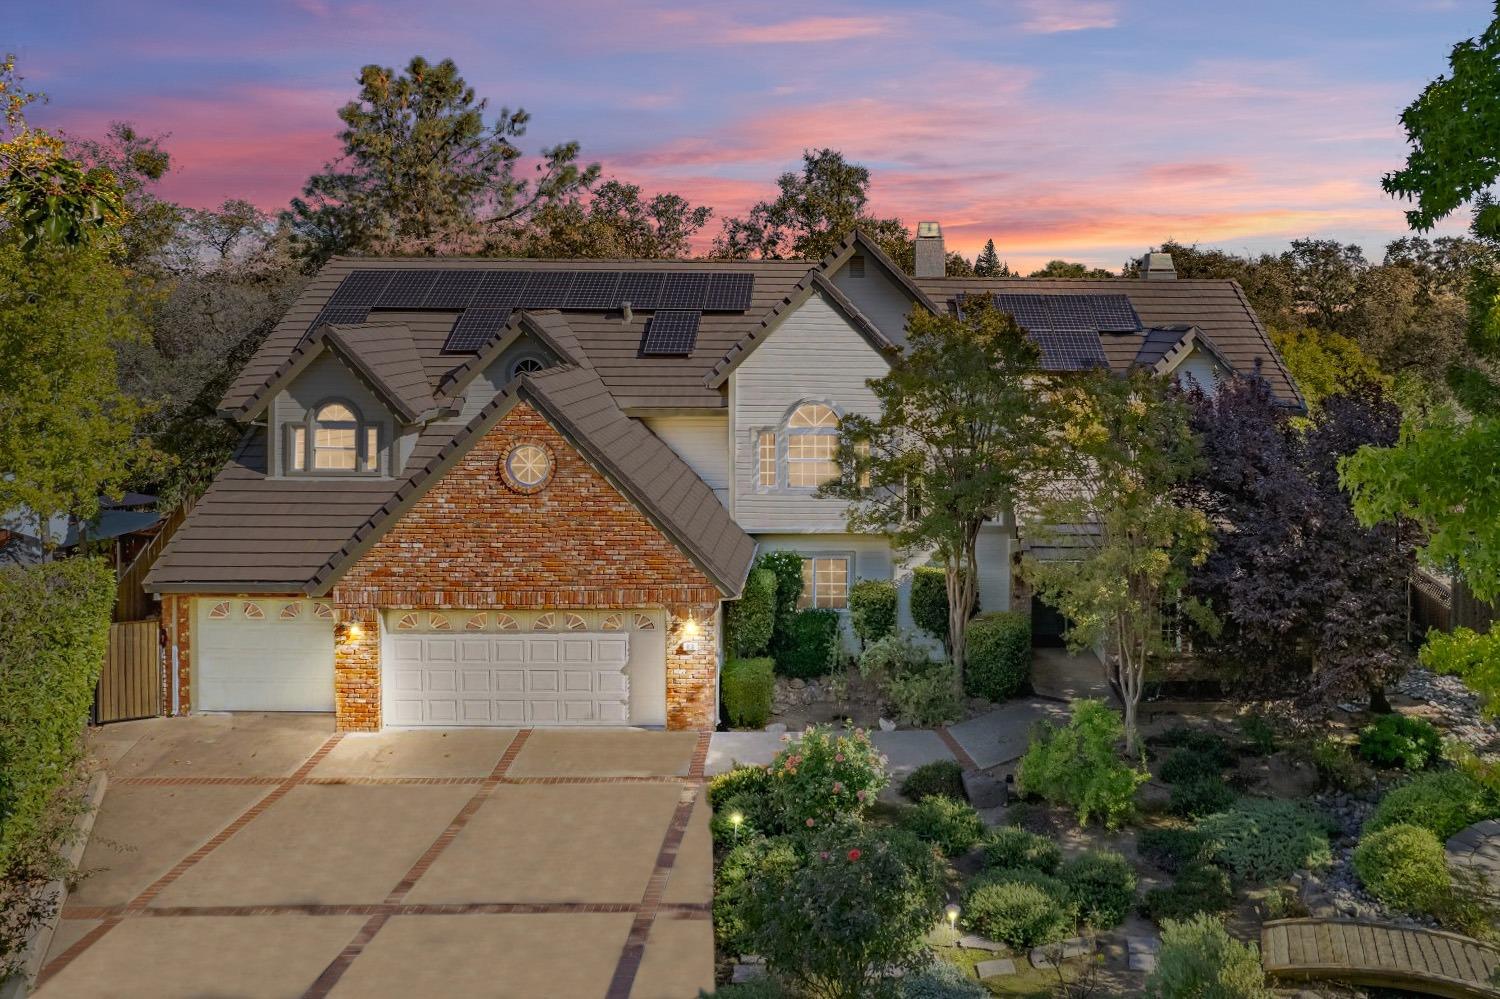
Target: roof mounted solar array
(1067, 327)
(671, 331)
(494, 294)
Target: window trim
(850, 576)
(511, 369)
(307, 428)
(783, 432)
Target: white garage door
(506, 678)
(263, 655)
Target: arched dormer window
(812, 438)
(335, 439)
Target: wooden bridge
(1380, 954)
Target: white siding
(813, 355)
(481, 391)
(993, 553)
(873, 559)
(878, 298)
(1201, 368)
(702, 442)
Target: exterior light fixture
(735, 820)
(687, 635)
(952, 913)
(347, 631)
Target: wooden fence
(1430, 605)
(130, 683)
(132, 602)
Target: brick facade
(472, 541)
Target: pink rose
(854, 854)
(810, 823)
(860, 796)
(838, 788)
(823, 855)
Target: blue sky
(1086, 129)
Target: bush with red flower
(823, 778)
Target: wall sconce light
(687, 636)
(347, 631)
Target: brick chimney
(932, 257)
(1157, 266)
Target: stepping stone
(973, 941)
(747, 973)
(1142, 951)
(1042, 957)
(995, 968)
(1142, 962)
(983, 790)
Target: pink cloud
(807, 29)
(1045, 17)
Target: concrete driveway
(263, 855)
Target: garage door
(263, 655)
(504, 677)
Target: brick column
(356, 671)
(692, 676)
(177, 618)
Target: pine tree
(987, 264)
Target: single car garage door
(263, 655)
(555, 671)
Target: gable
(500, 371)
(812, 343)
(473, 540)
(326, 377)
(884, 302)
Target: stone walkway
(1065, 676)
(1478, 847)
(265, 855)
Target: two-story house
(518, 492)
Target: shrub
(1199, 888)
(749, 621)
(1259, 734)
(1201, 796)
(755, 988)
(1021, 908)
(1338, 767)
(741, 868)
(1102, 885)
(997, 655)
(890, 656)
(1013, 848)
(855, 908)
(809, 645)
(741, 780)
(787, 568)
(746, 684)
(1260, 840)
(1444, 802)
(1399, 741)
(1184, 765)
(1197, 741)
(938, 777)
(872, 609)
(1404, 867)
(746, 791)
(924, 697)
(942, 980)
(822, 777)
(951, 825)
(1200, 960)
(54, 627)
(1077, 765)
(1171, 848)
(929, 601)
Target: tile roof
(384, 355)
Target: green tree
(1067, 269)
(963, 429)
(1327, 364)
(1126, 447)
(422, 172)
(989, 264)
(815, 209)
(614, 221)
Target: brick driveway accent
(513, 881)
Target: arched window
(812, 437)
(334, 439)
(527, 364)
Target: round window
(527, 366)
(527, 467)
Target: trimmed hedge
(809, 644)
(997, 655)
(746, 685)
(750, 620)
(943, 777)
(1023, 909)
(929, 601)
(54, 629)
(872, 609)
(952, 825)
(1405, 867)
(1102, 884)
(1399, 741)
(1445, 802)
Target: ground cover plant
(950, 824)
(1400, 741)
(1260, 840)
(938, 777)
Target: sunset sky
(1085, 129)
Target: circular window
(527, 366)
(527, 467)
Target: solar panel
(593, 290)
(1069, 351)
(1114, 314)
(359, 288)
(684, 291)
(498, 290)
(1069, 313)
(341, 316)
(729, 292)
(475, 328)
(547, 289)
(1029, 311)
(407, 290)
(453, 289)
(641, 290)
(671, 332)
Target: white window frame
(810, 595)
(301, 442)
(817, 432)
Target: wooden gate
(130, 683)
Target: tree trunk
(1131, 679)
(961, 578)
